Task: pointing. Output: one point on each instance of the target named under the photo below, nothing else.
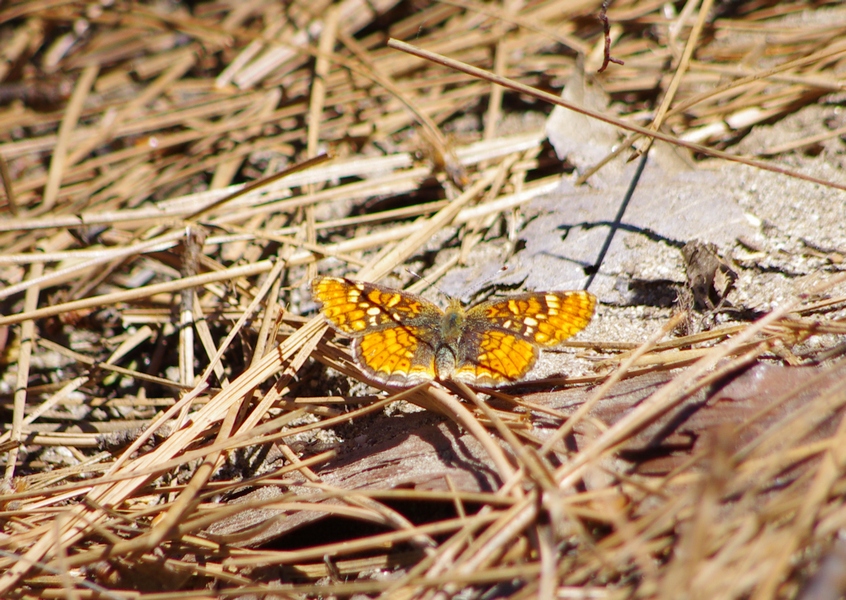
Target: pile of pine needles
(168, 199)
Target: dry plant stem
(494, 112)
(314, 505)
(6, 178)
(206, 339)
(599, 393)
(133, 107)
(312, 248)
(436, 563)
(768, 442)
(402, 232)
(141, 543)
(252, 436)
(185, 503)
(733, 85)
(480, 578)
(473, 234)
(757, 515)
(160, 420)
(191, 246)
(301, 166)
(805, 142)
(272, 317)
(105, 366)
(754, 475)
(552, 99)
(422, 232)
(431, 131)
(385, 515)
(316, 105)
(828, 472)
(682, 68)
(681, 358)
(546, 548)
(22, 375)
(195, 205)
(69, 490)
(804, 80)
(187, 500)
(62, 573)
(270, 557)
(697, 338)
(491, 543)
(60, 159)
(527, 22)
(213, 365)
(104, 256)
(90, 466)
(374, 511)
(70, 387)
(494, 499)
(529, 462)
(112, 494)
(321, 70)
(663, 400)
(671, 391)
(292, 365)
(456, 411)
(634, 544)
(157, 244)
(820, 57)
(650, 527)
(140, 293)
(465, 215)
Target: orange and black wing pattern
(401, 339)
(392, 331)
(502, 336)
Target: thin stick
(552, 99)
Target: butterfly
(401, 339)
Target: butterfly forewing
(356, 307)
(394, 332)
(543, 318)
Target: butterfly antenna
(422, 283)
(485, 283)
